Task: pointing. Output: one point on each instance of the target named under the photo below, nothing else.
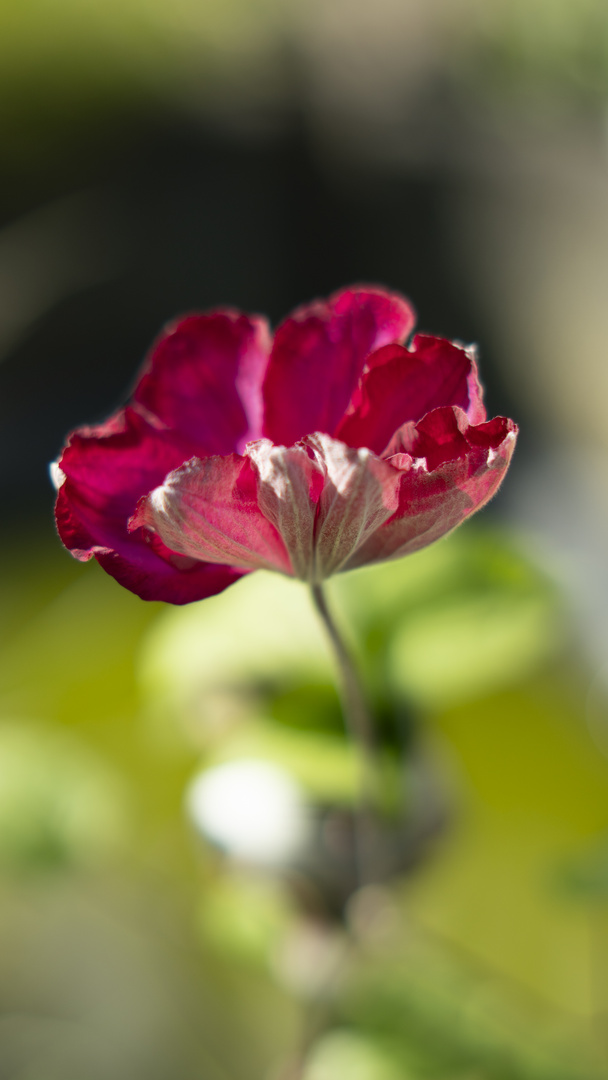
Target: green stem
(359, 725)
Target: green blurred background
(162, 157)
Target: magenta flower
(333, 446)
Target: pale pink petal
(318, 356)
(290, 481)
(208, 510)
(324, 498)
(359, 494)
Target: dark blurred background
(158, 158)
(256, 157)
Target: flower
(333, 446)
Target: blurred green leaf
(60, 805)
(231, 654)
(462, 617)
(471, 645)
(450, 1020)
(453, 621)
(532, 789)
(307, 705)
(243, 917)
(356, 1056)
(64, 663)
(585, 877)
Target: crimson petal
(469, 465)
(101, 474)
(400, 385)
(153, 578)
(318, 356)
(203, 379)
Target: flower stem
(359, 725)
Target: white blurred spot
(57, 475)
(251, 809)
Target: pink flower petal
(400, 452)
(359, 494)
(469, 467)
(208, 510)
(152, 578)
(324, 498)
(438, 437)
(203, 379)
(446, 434)
(318, 356)
(101, 473)
(107, 469)
(290, 482)
(400, 385)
